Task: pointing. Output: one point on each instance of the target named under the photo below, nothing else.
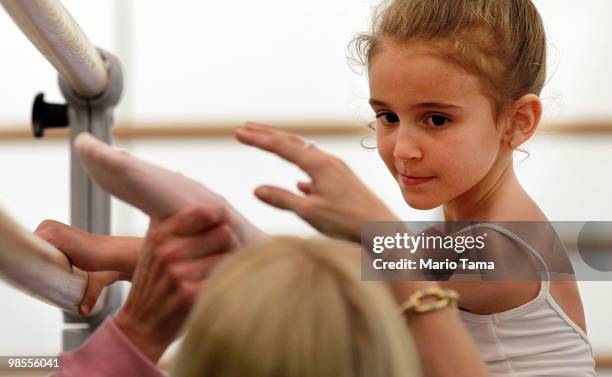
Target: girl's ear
(525, 116)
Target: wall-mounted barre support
(90, 205)
(92, 82)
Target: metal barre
(91, 81)
(51, 28)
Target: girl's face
(435, 129)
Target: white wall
(579, 59)
(277, 59)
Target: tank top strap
(545, 281)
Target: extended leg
(156, 191)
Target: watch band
(416, 302)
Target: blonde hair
(291, 308)
(501, 41)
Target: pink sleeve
(108, 352)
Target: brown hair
(295, 308)
(501, 41)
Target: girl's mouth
(413, 181)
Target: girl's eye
(437, 121)
(387, 118)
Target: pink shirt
(108, 352)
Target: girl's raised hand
(335, 201)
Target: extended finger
(285, 145)
(279, 198)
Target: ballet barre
(91, 81)
(32, 265)
(57, 36)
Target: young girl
(454, 86)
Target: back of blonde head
(295, 308)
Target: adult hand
(335, 201)
(106, 259)
(177, 256)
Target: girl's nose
(407, 146)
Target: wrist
(380, 214)
(403, 289)
(151, 348)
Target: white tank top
(534, 339)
